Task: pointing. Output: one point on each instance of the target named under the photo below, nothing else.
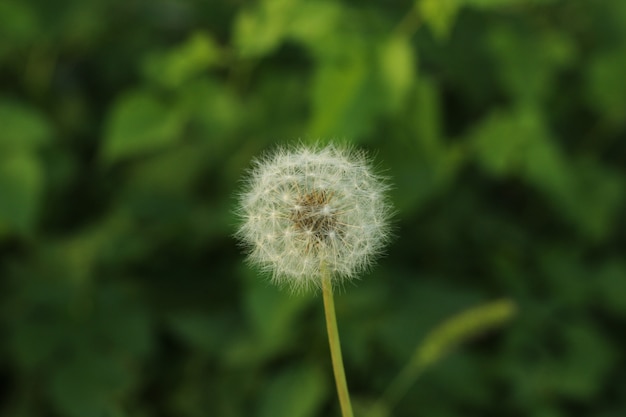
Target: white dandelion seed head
(307, 209)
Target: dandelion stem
(335, 345)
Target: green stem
(335, 346)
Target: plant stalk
(335, 346)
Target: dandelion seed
(324, 209)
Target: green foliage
(126, 126)
(460, 328)
(297, 392)
(140, 123)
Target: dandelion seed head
(308, 209)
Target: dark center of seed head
(311, 215)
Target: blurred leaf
(122, 324)
(179, 64)
(314, 22)
(576, 373)
(23, 128)
(435, 163)
(139, 123)
(18, 23)
(260, 30)
(566, 275)
(272, 312)
(491, 3)
(427, 114)
(214, 109)
(595, 199)
(610, 287)
(201, 331)
(43, 328)
(607, 91)
(89, 386)
(21, 187)
(345, 91)
(529, 63)
(155, 174)
(518, 142)
(417, 306)
(296, 392)
(439, 342)
(398, 68)
(440, 15)
(460, 328)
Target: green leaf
(398, 68)
(260, 30)
(296, 392)
(18, 23)
(89, 385)
(461, 328)
(611, 286)
(314, 23)
(517, 143)
(21, 187)
(440, 15)
(138, 124)
(346, 91)
(272, 312)
(204, 332)
(529, 64)
(441, 341)
(594, 199)
(606, 87)
(183, 62)
(582, 367)
(487, 4)
(213, 108)
(23, 128)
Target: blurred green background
(125, 127)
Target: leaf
(461, 328)
(579, 369)
(88, 385)
(605, 87)
(174, 67)
(529, 64)
(272, 316)
(398, 68)
(295, 392)
(490, 4)
(213, 108)
(517, 143)
(346, 91)
(314, 22)
(18, 23)
(23, 128)
(271, 312)
(204, 332)
(440, 15)
(139, 123)
(611, 287)
(260, 30)
(21, 187)
(594, 200)
(440, 341)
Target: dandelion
(314, 217)
(311, 211)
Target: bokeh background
(125, 127)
